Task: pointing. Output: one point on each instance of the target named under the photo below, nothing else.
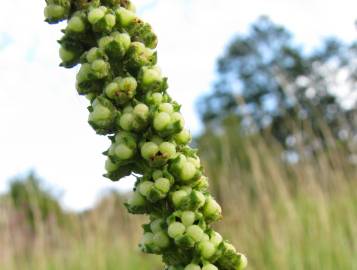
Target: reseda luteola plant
(129, 103)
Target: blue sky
(44, 122)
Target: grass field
(296, 216)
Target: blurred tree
(271, 84)
(36, 203)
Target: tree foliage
(268, 82)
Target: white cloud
(44, 121)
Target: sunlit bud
(188, 171)
(182, 138)
(141, 110)
(161, 121)
(66, 55)
(102, 115)
(125, 16)
(123, 152)
(178, 196)
(109, 20)
(76, 25)
(147, 238)
(195, 232)
(168, 150)
(188, 218)
(157, 225)
(126, 121)
(175, 229)
(136, 200)
(207, 249)
(177, 117)
(100, 68)
(163, 185)
(161, 239)
(149, 150)
(110, 166)
(209, 267)
(212, 210)
(55, 13)
(198, 199)
(95, 15)
(243, 261)
(216, 238)
(145, 187)
(138, 56)
(192, 267)
(166, 107)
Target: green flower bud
(157, 225)
(195, 232)
(163, 185)
(128, 85)
(142, 111)
(148, 239)
(198, 199)
(138, 55)
(162, 121)
(125, 17)
(145, 188)
(102, 115)
(209, 267)
(168, 150)
(178, 197)
(150, 79)
(96, 15)
(110, 166)
(55, 13)
(112, 90)
(109, 20)
(123, 152)
(161, 239)
(182, 138)
(206, 249)
(157, 174)
(116, 45)
(136, 200)
(149, 150)
(192, 267)
(188, 171)
(100, 68)
(166, 107)
(176, 229)
(126, 121)
(177, 118)
(212, 210)
(216, 238)
(243, 261)
(93, 54)
(154, 98)
(201, 183)
(76, 25)
(188, 218)
(66, 56)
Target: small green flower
(125, 17)
(192, 266)
(176, 229)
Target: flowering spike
(129, 103)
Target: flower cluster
(129, 103)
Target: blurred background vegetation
(279, 146)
